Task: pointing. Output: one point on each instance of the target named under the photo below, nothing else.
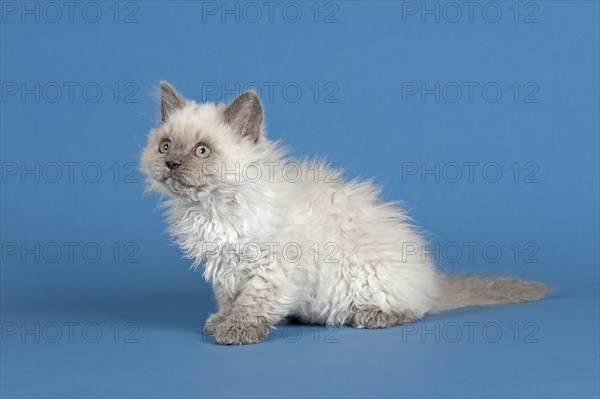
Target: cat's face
(194, 144)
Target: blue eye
(202, 151)
(164, 146)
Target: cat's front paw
(213, 323)
(242, 329)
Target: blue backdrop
(483, 117)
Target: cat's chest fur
(204, 223)
(217, 233)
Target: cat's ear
(245, 115)
(170, 100)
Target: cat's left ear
(245, 115)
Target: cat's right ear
(170, 100)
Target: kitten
(280, 238)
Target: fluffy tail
(463, 290)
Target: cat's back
(314, 199)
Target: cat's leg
(256, 309)
(215, 320)
(394, 293)
(373, 317)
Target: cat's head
(194, 144)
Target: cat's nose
(173, 164)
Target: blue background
(362, 61)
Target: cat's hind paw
(373, 317)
